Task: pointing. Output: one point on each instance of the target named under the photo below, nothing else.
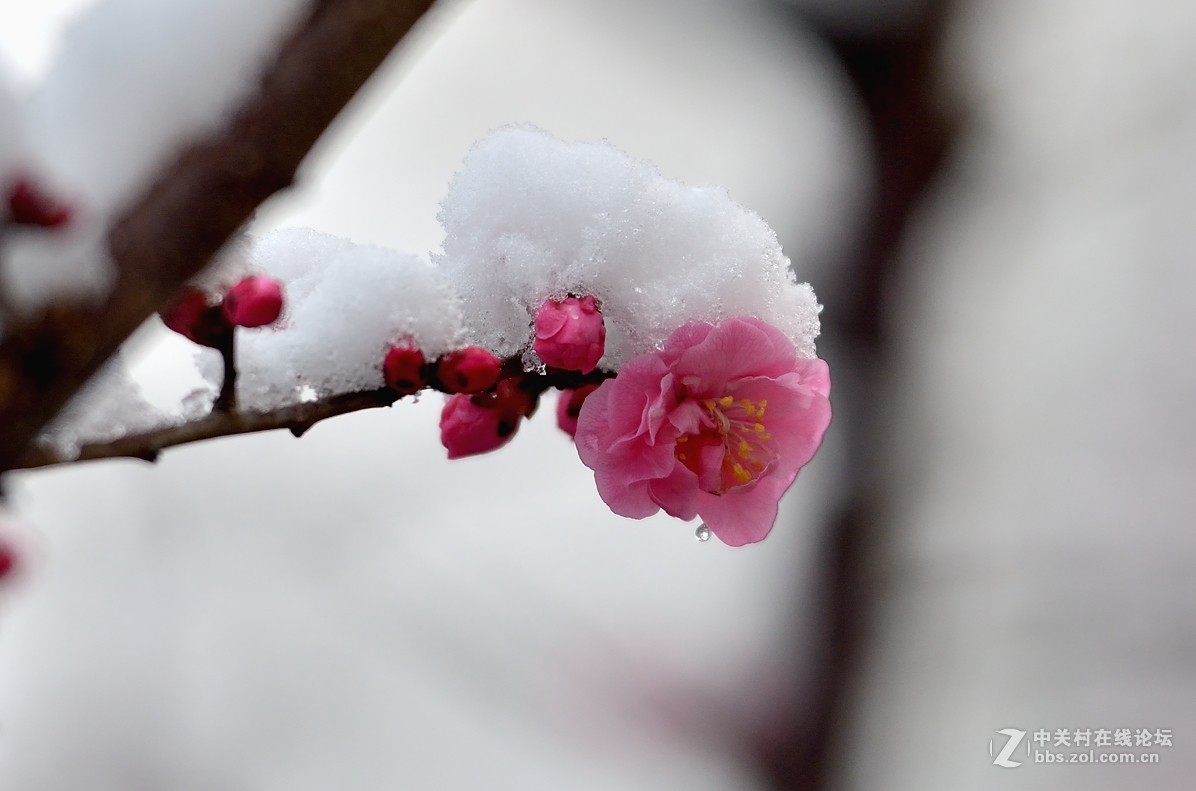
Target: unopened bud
(255, 301)
(191, 316)
(570, 334)
(513, 401)
(480, 423)
(468, 370)
(28, 205)
(568, 407)
(405, 369)
(468, 428)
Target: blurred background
(993, 201)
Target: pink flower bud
(254, 302)
(468, 428)
(27, 205)
(480, 423)
(513, 401)
(468, 370)
(191, 316)
(405, 369)
(570, 334)
(568, 407)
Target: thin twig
(297, 418)
(227, 400)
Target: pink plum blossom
(716, 425)
(570, 334)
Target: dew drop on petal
(702, 533)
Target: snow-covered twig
(296, 418)
(197, 202)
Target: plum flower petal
(717, 424)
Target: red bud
(405, 369)
(468, 370)
(254, 302)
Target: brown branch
(172, 230)
(297, 418)
(896, 77)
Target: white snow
(530, 218)
(111, 405)
(346, 303)
(135, 81)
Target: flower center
(738, 427)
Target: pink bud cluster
(254, 301)
(469, 370)
(486, 408)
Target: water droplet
(703, 532)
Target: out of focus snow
(132, 82)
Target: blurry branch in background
(196, 203)
(912, 129)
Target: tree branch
(171, 231)
(297, 418)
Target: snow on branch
(196, 201)
(667, 315)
